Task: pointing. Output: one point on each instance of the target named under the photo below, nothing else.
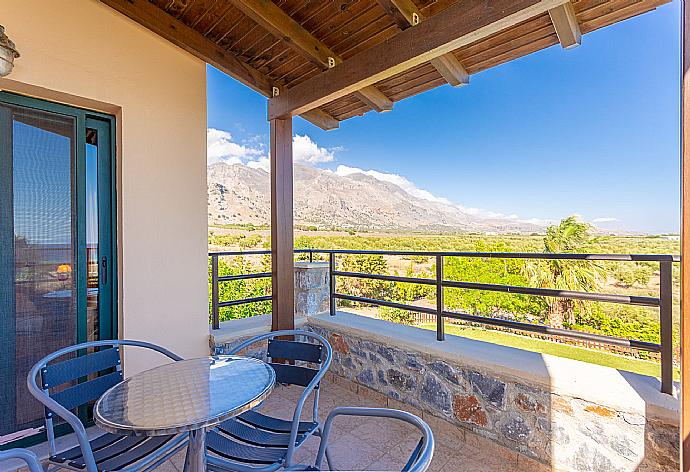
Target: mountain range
(238, 194)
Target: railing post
(440, 305)
(331, 285)
(666, 321)
(311, 255)
(215, 322)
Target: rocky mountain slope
(238, 194)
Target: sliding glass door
(56, 244)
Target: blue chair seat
(277, 425)
(233, 450)
(260, 437)
(113, 452)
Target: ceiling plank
(272, 18)
(566, 25)
(458, 25)
(405, 14)
(150, 16)
(320, 118)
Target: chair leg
(328, 460)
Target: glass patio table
(185, 396)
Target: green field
(561, 350)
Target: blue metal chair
(60, 392)
(257, 442)
(421, 456)
(24, 455)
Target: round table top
(184, 396)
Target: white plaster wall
(83, 53)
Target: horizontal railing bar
(374, 301)
(550, 292)
(245, 300)
(391, 278)
(493, 255)
(258, 275)
(542, 329)
(240, 253)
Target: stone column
(311, 288)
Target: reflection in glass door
(56, 237)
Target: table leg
(196, 452)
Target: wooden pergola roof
(331, 60)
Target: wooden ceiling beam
(565, 23)
(405, 14)
(272, 18)
(157, 20)
(320, 118)
(153, 18)
(451, 69)
(458, 25)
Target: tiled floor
(369, 444)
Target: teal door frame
(107, 247)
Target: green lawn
(555, 349)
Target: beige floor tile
(525, 464)
(352, 453)
(387, 463)
(178, 459)
(167, 467)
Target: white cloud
(220, 147)
(606, 219)
(306, 151)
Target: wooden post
(282, 241)
(685, 244)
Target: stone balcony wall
(563, 431)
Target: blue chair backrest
(106, 362)
(294, 351)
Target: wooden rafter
(405, 14)
(566, 25)
(321, 119)
(151, 17)
(281, 25)
(458, 25)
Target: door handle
(104, 270)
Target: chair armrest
(426, 453)
(24, 454)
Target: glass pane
(43, 148)
(92, 267)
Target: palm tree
(569, 236)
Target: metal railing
(664, 302)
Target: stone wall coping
(618, 390)
(311, 265)
(245, 327)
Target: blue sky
(592, 131)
